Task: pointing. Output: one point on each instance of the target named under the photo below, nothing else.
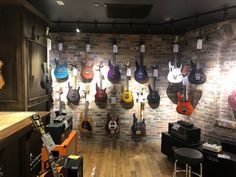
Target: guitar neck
(127, 83)
(52, 164)
(100, 79)
(60, 104)
(86, 110)
(184, 95)
(114, 59)
(141, 58)
(154, 83)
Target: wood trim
(35, 42)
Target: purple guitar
(114, 73)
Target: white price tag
(199, 44)
(155, 73)
(185, 80)
(175, 48)
(48, 141)
(128, 72)
(138, 132)
(74, 72)
(113, 100)
(87, 47)
(142, 48)
(115, 49)
(60, 46)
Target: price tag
(199, 44)
(48, 141)
(113, 100)
(175, 48)
(138, 132)
(155, 73)
(87, 47)
(185, 80)
(60, 46)
(142, 48)
(74, 72)
(115, 49)
(128, 72)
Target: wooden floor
(120, 158)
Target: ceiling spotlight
(77, 29)
(60, 2)
(96, 4)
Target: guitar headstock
(88, 47)
(154, 66)
(100, 66)
(87, 90)
(60, 46)
(142, 46)
(37, 123)
(115, 47)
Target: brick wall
(212, 112)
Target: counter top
(11, 122)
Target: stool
(189, 157)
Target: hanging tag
(87, 47)
(199, 44)
(142, 48)
(74, 72)
(175, 48)
(113, 100)
(128, 72)
(115, 49)
(155, 73)
(185, 80)
(60, 46)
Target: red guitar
(100, 95)
(232, 99)
(87, 71)
(184, 105)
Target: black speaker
(229, 146)
(73, 164)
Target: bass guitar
(140, 73)
(232, 99)
(101, 95)
(85, 125)
(60, 71)
(153, 96)
(2, 81)
(54, 171)
(126, 94)
(73, 95)
(139, 127)
(114, 73)
(87, 70)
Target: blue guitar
(140, 73)
(60, 71)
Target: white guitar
(174, 75)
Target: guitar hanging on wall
(87, 73)
(2, 81)
(232, 99)
(54, 171)
(101, 95)
(73, 95)
(114, 73)
(153, 96)
(85, 125)
(175, 75)
(60, 71)
(140, 73)
(197, 75)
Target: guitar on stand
(100, 96)
(2, 81)
(139, 127)
(61, 105)
(55, 170)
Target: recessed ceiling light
(96, 4)
(167, 19)
(60, 3)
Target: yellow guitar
(126, 94)
(2, 81)
(85, 125)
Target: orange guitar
(2, 81)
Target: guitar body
(113, 73)
(112, 125)
(232, 99)
(62, 172)
(184, 107)
(60, 71)
(126, 96)
(2, 81)
(73, 95)
(174, 75)
(46, 81)
(140, 73)
(197, 76)
(138, 127)
(85, 125)
(87, 73)
(100, 95)
(153, 96)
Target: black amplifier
(186, 134)
(60, 128)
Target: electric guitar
(114, 73)
(184, 105)
(100, 95)
(139, 127)
(87, 71)
(55, 171)
(175, 75)
(126, 94)
(85, 125)
(140, 73)
(73, 95)
(60, 71)
(46, 81)
(153, 96)
(2, 81)
(112, 126)
(232, 99)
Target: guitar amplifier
(186, 134)
(60, 128)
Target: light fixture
(60, 2)
(96, 4)
(77, 29)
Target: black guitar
(197, 75)
(153, 96)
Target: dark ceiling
(139, 16)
